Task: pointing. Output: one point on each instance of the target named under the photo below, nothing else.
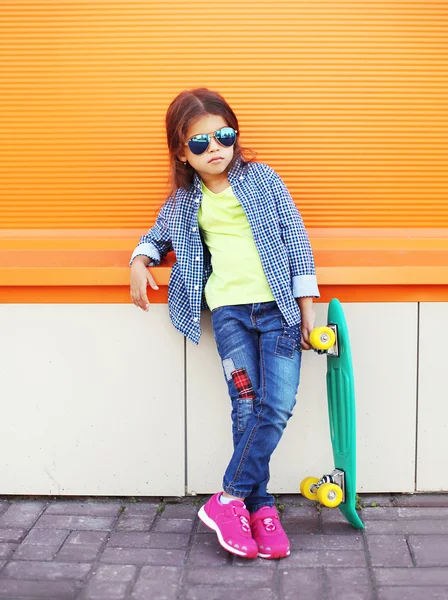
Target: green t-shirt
(238, 276)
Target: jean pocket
(245, 409)
(285, 346)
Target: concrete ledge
(352, 264)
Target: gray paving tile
(300, 519)
(408, 527)
(137, 523)
(333, 522)
(408, 593)
(421, 500)
(143, 556)
(49, 590)
(398, 513)
(411, 577)
(45, 537)
(326, 542)
(348, 584)
(76, 538)
(293, 500)
(21, 514)
(430, 551)
(148, 540)
(168, 525)
(86, 509)
(105, 590)
(44, 571)
(206, 551)
(180, 511)
(297, 527)
(222, 593)
(158, 582)
(389, 551)
(327, 558)
(216, 576)
(79, 553)
(167, 574)
(379, 499)
(128, 539)
(301, 584)
(141, 509)
(299, 513)
(74, 522)
(36, 552)
(6, 550)
(81, 546)
(202, 528)
(256, 563)
(12, 535)
(114, 572)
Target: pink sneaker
(269, 534)
(232, 525)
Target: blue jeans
(261, 356)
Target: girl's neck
(216, 184)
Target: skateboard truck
(329, 490)
(334, 350)
(324, 340)
(337, 477)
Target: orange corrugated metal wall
(347, 100)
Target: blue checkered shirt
(279, 235)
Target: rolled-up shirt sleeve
(157, 242)
(295, 237)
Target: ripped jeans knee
(243, 400)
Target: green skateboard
(339, 487)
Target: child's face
(215, 160)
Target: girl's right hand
(140, 277)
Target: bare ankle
(226, 495)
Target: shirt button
(195, 319)
(196, 200)
(196, 287)
(193, 229)
(198, 258)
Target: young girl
(243, 252)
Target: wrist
(141, 260)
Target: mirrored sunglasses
(198, 144)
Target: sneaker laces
(269, 524)
(244, 523)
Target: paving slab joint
(369, 565)
(182, 583)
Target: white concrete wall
(433, 398)
(97, 400)
(92, 401)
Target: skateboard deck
(342, 411)
(339, 487)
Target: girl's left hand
(307, 326)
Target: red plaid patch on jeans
(243, 383)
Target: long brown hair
(184, 110)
